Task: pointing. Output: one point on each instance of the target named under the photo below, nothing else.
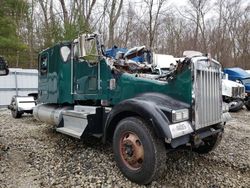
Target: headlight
(180, 115)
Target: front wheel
(139, 153)
(247, 104)
(235, 105)
(209, 144)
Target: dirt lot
(32, 154)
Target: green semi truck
(82, 92)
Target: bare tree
(195, 12)
(30, 27)
(44, 6)
(65, 13)
(153, 18)
(114, 13)
(229, 37)
(225, 34)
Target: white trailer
(19, 82)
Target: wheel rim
(131, 150)
(13, 111)
(232, 104)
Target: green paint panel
(129, 86)
(54, 85)
(55, 81)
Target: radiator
(208, 94)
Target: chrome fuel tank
(51, 114)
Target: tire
(14, 111)
(210, 143)
(15, 114)
(147, 163)
(235, 105)
(247, 104)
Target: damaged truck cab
(82, 91)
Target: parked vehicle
(241, 76)
(163, 63)
(233, 93)
(3, 67)
(82, 91)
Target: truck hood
(228, 89)
(236, 73)
(230, 83)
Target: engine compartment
(141, 62)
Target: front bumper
(196, 137)
(183, 133)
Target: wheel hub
(131, 150)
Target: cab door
(86, 71)
(86, 77)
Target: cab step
(74, 122)
(70, 132)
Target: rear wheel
(15, 114)
(210, 143)
(139, 154)
(14, 110)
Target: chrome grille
(207, 90)
(238, 91)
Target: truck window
(44, 65)
(65, 53)
(245, 81)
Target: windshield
(246, 81)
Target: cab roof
(56, 45)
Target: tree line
(220, 27)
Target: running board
(69, 132)
(74, 122)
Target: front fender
(154, 108)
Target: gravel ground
(33, 155)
